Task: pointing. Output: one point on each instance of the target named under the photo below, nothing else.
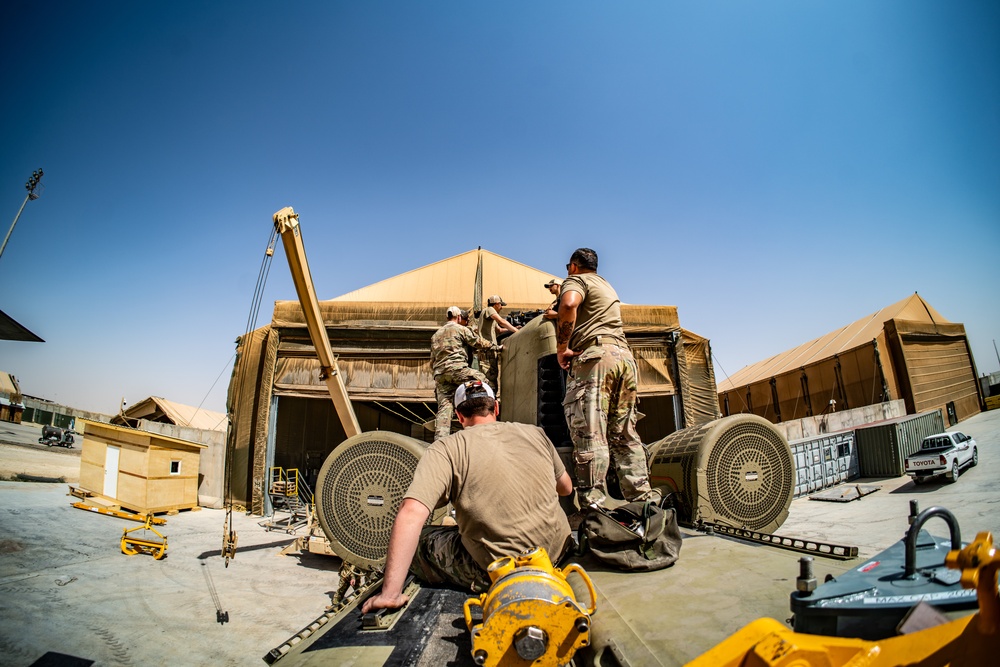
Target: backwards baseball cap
(496, 299)
(554, 281)
(472, 389)
(454, 311)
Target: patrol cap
(554, 281)
(470, 390)
(454, 311)
(496, 299)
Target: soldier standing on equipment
(451, 346)
(489, 320)
(553, 286)
(601, 390)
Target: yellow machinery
(971, 640)
(118, 513)
(290, 496)
(133, 544)
(530, 615)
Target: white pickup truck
(942, 453)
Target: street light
(31, 186)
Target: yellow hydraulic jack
(133, 544)
(530, 615)
(970, 641)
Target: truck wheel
(918, 480)
(975, 456)
(953, 475)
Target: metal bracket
(384, 619)
(799, 544)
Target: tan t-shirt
(600, 313)
(487, 325)
(501, 479)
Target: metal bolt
(479, 657)
(582, 625)
(530, 642)
(806, 582)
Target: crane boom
(286, 222)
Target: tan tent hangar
(907, 350)
(281, 412)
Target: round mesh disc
(359, 490)
(736, 470)
(749, 476)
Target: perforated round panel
(359, 490)
(749, 476)
(736, 471)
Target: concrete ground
(66, 588)
(20, 454)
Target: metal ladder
(291, 500)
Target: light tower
(32, 187)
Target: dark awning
(12, 330)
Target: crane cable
(228, 534)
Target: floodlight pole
(30, 186)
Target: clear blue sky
(774, 169)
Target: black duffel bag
(638, 536)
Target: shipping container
(823, 461)
(884, 446)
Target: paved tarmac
(65, 587)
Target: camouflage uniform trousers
(600, 407)
(489, 365)
(441, 558)
(445, 385)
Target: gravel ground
(20, 454)
(66, 588)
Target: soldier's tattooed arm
(569, 302)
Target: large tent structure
(907, 350)
(281, 412)
(157, 409)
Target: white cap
(473, 389)
(454, 311)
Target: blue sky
(775, 170)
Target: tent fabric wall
(452, 280)
(248, 404)
(925, 361)
(938, 367)
(157, 409)
(700, 399)
(851, 379)
(383, 350)
(366, 379)
(858, 333)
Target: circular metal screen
(359, 490)
(749, 475)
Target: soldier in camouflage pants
(601, 414)
(442, 558)
(451, 346)
(602, 386)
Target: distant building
(156, 409)
(11, 400)
(904, 351)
